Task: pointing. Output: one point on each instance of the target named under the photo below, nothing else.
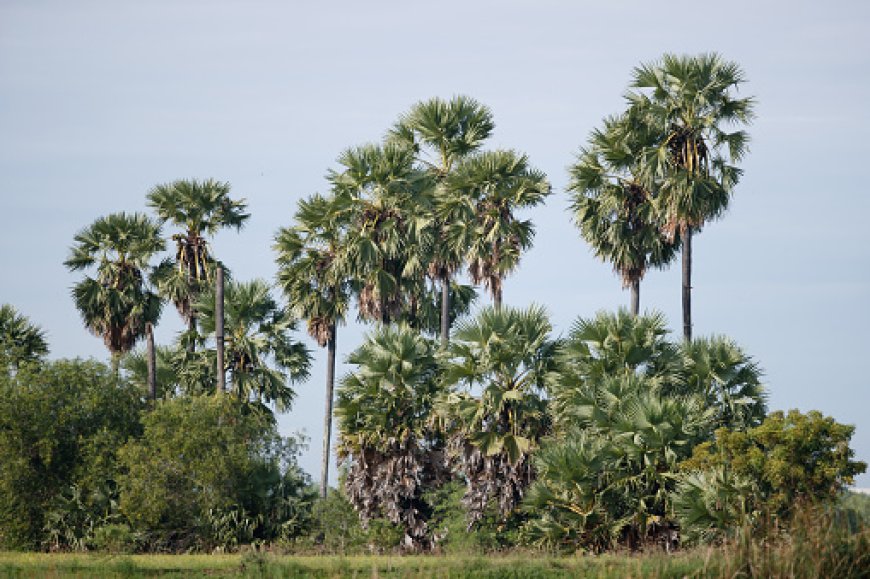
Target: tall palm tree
(441, 133)
(317, 288)
(384, 213)
(21, 342)
(614, 209)
(490, 188)
(385, 429)
(689, 101)
(201, 209)
(261, 355)
(509, 354)
(117, 305)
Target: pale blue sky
(99, 101)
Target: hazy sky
(100, 101)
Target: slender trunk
(116, 365)
(496, 297)
(445, 309)
(635, 297)
(151, 360)
(191, 332)
(219, 329)
(327, 420)
(687, 283)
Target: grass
(815, 547)
(513, 566)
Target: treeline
(486, 431)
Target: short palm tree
(261, 356)
(317, 288)
(489, 189)
(385, 429)
(614, 209)
(117, 305)
(201, 209)
(21, 342)
(508, 354)
(689, 102)
(728, 379)
(441, 133)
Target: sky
(102, 100)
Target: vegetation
(21, 342)
(458, 435)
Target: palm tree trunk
(327, 420)
(191, 330)
(635, 297)
(445, 309)
(219, 329)
(151, 360)
(116, 365)
(496, 297)
(686, 234)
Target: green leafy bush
(61, 426)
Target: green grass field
(267, 565)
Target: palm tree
(261, 356)
(614, 209)
(21, 342)
(688, 101)
(385, 429)
(728, 379)
(384, 214)
(117, 304)
(507, 353)
(490, 188)
(201, 209)
(136, 366)
(441, 133)
(317, 287)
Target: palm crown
(490, 188)
(200, 208)
(613, 207)
(116, 305)
(688, 102)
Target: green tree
(614, 209)
(201, 209)
(117, 304)
(21, 342)
(628, 407)
(490, 188)
(509, 355)
(261, 355)
(441, 133)
(384, 214)
(167, 362)
(208, 472)
(61, 427)
(316, 285)
(791, 459)
(689, 101)
(385, 429)
(728, 379)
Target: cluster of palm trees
(579, 440)
(123, 301)
(402, 219)
(653, 175)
